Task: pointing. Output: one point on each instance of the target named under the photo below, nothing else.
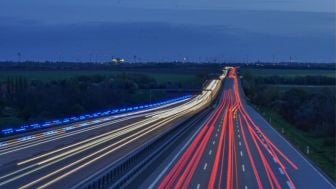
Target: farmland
(265, 72)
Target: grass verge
(321, 150)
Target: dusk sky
(233, 30)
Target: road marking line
(241, 153)
(210, 152)
(275, 161)
(175, 157)
(245, 187)
(293, 148)
(239, 143)
(205, 166)
(289, 185)
(281, 171)
(243, 167)
(216, 134)
(213, 142)
(238, 135)
(198, 186)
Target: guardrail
(119, 174)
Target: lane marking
(289, 185)
(239, 143)
(293, 148)
(281, 171)
(238, 135)
(243, 167)
(205, 166)
(241, 153)
(198, 186)
(210, 152)
(275, 161)
(245, 187)
(176, 156)
(213, 142)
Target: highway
(66, 156)
(213, 140)
(235, 148)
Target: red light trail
(224, 169)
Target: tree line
(312, 111)
(297, 80)
(28, 101)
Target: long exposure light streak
(224, 169)
(88, 151)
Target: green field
(288, 72)
(57, 75)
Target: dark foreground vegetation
(34, 92)
(302, 107)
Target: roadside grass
(264, 72)
(321, 150)
(58, 75)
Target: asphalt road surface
(72, 153)
(235, 148)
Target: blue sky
(227, 30)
